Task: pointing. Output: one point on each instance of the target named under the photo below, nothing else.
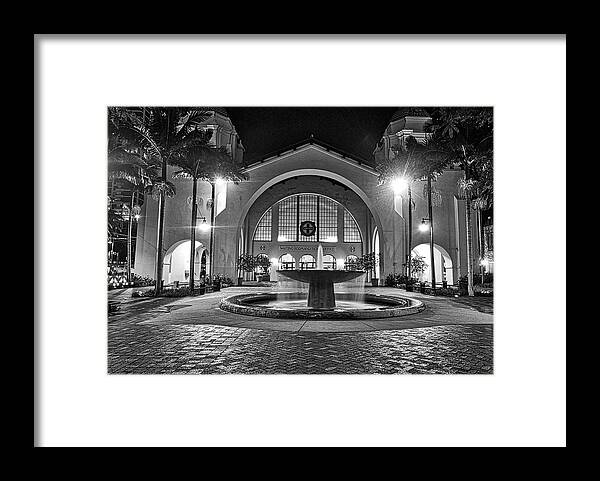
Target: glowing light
(220, 181)
(399, 184)
(137, 216)
(484, 263)
(274, 260)
(204, 227)
(423, 227)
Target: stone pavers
(206, 349)
(192, 336)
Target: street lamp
(424, 226)
(204, 226)
(132, 213)
(399, 184)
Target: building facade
(306, 195)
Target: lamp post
(133, 213)
(212, 230)
(399, 184)
(427, 225)
(213, 184)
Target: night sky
(355, 130)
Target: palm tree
(417, 161)
(155, 135)
(466, 135)
(199, 161)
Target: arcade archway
(176, 266)
(443, 264)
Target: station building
(308, 194)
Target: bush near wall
(139, 281)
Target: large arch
(310, 172)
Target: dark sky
(355, 130)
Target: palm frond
(163, 188)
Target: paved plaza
(193, 336)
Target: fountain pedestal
(320, 284)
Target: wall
(247, 201)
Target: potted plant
(368, 262)
(263, 264)
(245, 263)
(410, 282)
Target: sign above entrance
(309, 248)
(308, 228)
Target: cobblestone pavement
(179, 336)
(209, 349)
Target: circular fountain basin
(293, 305)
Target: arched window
(287, 261)
(351, 263)
(351, 231)
(263, 229)
(308, 218)
(307, 262)
(328, 262)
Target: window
(310, 209)
(287, 261)
(213, 130)
(328, 262)
(288, 220)
(307, 262)
(488, 240)
(351, 231)
(327, 220)
(307, 211)
(263, 229)
(351, 263)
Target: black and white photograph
(299, 240)
(289, 240)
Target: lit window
(307, 212)
(329, 262)
(351, 231)
(351, 263)
(307, 262)
(328, 220)
(288, 227)
(263, 229)
(287, 261)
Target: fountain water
(320, 258)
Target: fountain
(320, 282)
(321, 302)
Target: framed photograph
(301, 242)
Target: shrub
(179, 292)
(146, 293)
(222, 279)
(397, 279)
(142, 281)
(488, 279)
